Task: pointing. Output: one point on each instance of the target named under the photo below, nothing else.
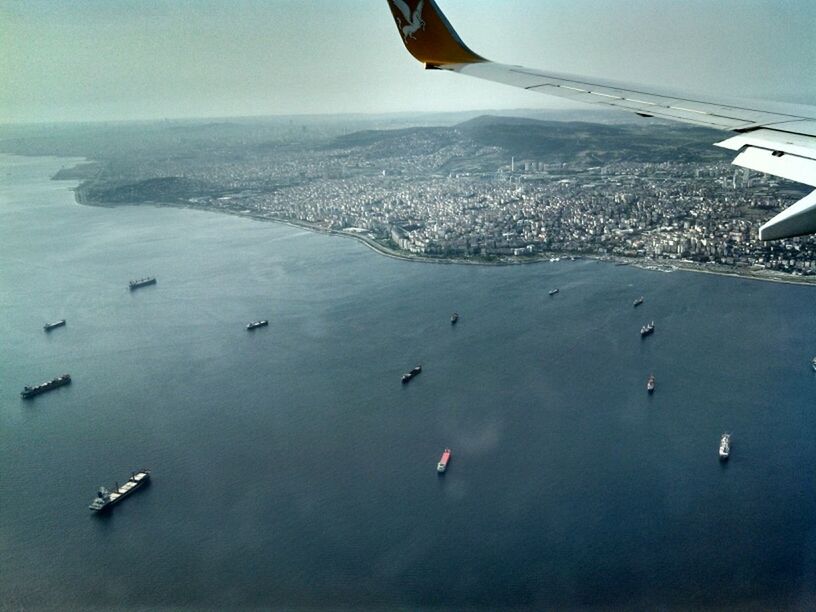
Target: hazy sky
(107, 59)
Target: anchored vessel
(725, 446)
(554, 291)
(443, 461)
(50, 326)
(647, 329)
(455, 318)
(255, 324)
(409, 375)
(142, 282)
(105, 498)
(638, 301)
(650, 384)
(59, 381)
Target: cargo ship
(59, 381)
(54, 325)
(142, 282)
(454, 318)
(256, 324)
(409, 375)
(638, 301)
(105, 498)
(650, 384)
(725, 446)
(647, 329)
(554, 291)
(443, 461)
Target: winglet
(428, 35)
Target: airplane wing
(782, 143)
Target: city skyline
(487, 190)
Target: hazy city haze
(96, 60)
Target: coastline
(531, 389)
(662, 265)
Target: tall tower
(746, 177)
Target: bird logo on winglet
(413, 21)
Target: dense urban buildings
(486, 190)
(684, 211)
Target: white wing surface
(779, 140)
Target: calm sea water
(291, 467)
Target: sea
(291, 469)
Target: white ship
(725, 446)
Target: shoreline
(667, 265)
(654, 265)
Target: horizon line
(578, 110)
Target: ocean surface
(292, 469)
